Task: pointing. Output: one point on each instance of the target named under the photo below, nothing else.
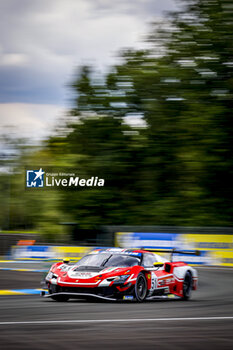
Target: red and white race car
(116, 274)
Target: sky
(43, 42)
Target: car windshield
(108, 260)
(93, 259)
(120, 260)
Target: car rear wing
(172, 251)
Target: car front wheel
(140, 287)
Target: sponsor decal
(128, 297)
(82, 275)
(165, 282)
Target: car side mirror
(158, 264)
(66, 260)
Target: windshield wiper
(105, 261)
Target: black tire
(140, 290)
(187, 286)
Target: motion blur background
(139, 93)
(153, 120)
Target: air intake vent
(167, 267)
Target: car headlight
(49, 275)
(121, 278)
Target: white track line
(119, 320)
(229, 268)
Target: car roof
(128, 251)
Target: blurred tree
(182, 88)
(197, 84)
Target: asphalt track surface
(204, 322)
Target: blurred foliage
(158, 128)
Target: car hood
(89, 272)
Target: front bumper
(107, 293)
(77, 295)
